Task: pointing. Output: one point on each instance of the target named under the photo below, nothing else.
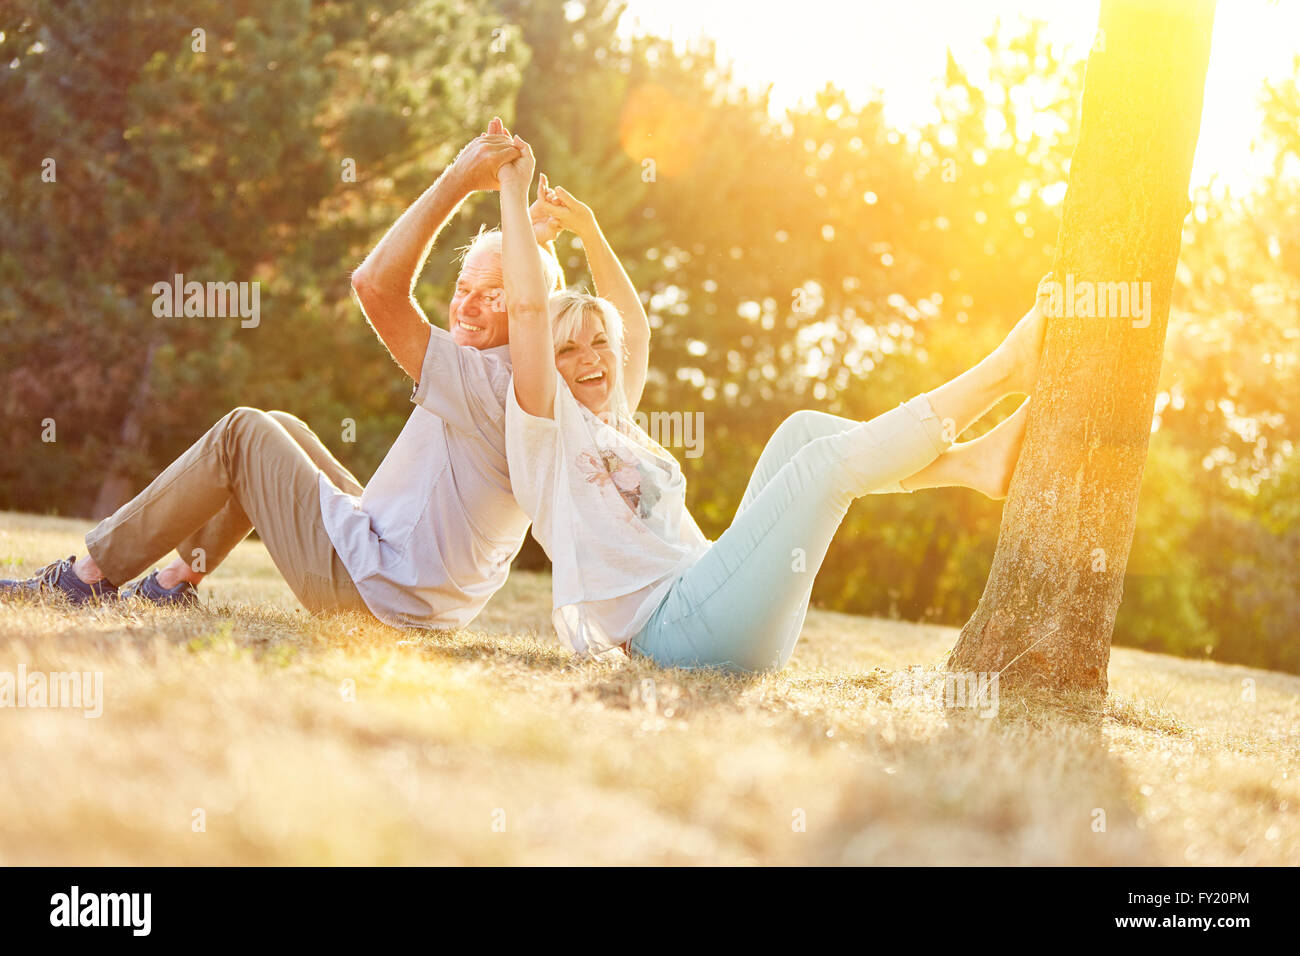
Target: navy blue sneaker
(59, 578)
(148, 589)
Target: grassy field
(250, 732)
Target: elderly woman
(630, 566)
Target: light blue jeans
(742, 605)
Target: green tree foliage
(210, 139)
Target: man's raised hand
(475, 167)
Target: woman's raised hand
(567, 212)
(518, 171)
(545, 226)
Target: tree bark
(117, 486)
(1048, 608)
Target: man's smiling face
(478, 308)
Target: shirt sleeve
(461, 385)
(533, 447)
(536, 422)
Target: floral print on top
(636, 486)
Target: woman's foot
(1010, 369)
(985, 464)
(1022, 349)
(994, 455)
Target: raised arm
(385, 281)
(611, 280)
(532, 353)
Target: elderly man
(431, 538)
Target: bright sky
(899, 48)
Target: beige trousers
(253, 469)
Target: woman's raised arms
(532, 352)
(611, 279)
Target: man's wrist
(455, 181)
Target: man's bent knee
(287, 420)
(246, 419)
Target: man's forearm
(394, 265)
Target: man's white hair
(489, 240)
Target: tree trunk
(117, 487)
(1049, 606)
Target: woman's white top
(609, 507)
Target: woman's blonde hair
(570, 311)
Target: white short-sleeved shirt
(609, 506)
(433, 534)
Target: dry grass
(493, 746)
